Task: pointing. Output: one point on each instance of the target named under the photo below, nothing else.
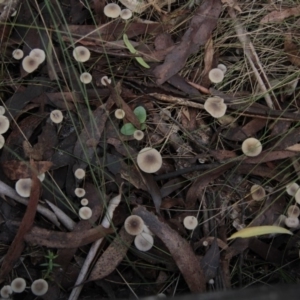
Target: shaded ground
(158, 63)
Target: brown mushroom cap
(215, 106)
(23, 187)
(144, 241)
(86, 78)
(134, 225)
(30, 64)
(4, 124)
(293, 211)
(39, 287)
(190, 222)
(149, 160)
(18, 54)
(56, 116)
(81, 54)
(292, 188)
(292, 222)
(39, 54)
(85, 213)
(138, 135)
(258, 193)
(251, 147)
(112, 10)
(18, 285)
(216, 75)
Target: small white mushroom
(292, 222)
(39, 54)
(119, 113)
(6, 291)
(79, 173)
(85, 213)
(2, 141)
(215, 106)
(126, 14)
(144, 241)
(18, 54)
(190, 222)
(2, 110)
(81, 54)
(39, 287)
(138, 135)
(149, 160)
(105, 78)
(30, 64)
(4, 124)
(292, 188)
(293, 211)
(18, 285)
(23, 187)
(86, 78)
(79, 192)
(251, 147)
(84, 202)
(258, 193)
(56, 116)
(112, 10)
(134, 225)
(216, 75)
(222, 67)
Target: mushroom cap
(84, 201)
(143, 241)
(56, 116)
(292, 188)
(222, 67)
(138, 135)
(216, 75)
(2, 141)
(23, 187)
(4, 124)
(86, 78)
(149, 160)
(18, 285)
(126, 14)
(79, 173)
(30, 64)
(280, 221)
(134, 225)
(103, 80)
(39, 287)
(79, 192)
(18, 54)
(39, 54)
(2, 110)
(215, 106)
(119, 113)
(190, 222)
(85, 213)
(293, 211)
(292, 222)
(251, 147)
(41, 177)
(81, 54)
(112, 10)
(6, 291)
(258, 193)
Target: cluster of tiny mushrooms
(148, 160)
(38, 287)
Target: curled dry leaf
(279, 15)
(112, 256)
(61, 240)
(179, 248)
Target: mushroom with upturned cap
(134, 225)
(18, 285)
(86, 78)
(39, 54)
(144, 241)
(112, 10)
(251, 147)
(81, 54)
(119, 113)
(39, 287)
(258, 193)
(23, 187)
(216, 75)
(138, 135)
(18, 54)
(215, 106)
(56, 116)
(4, 124)
(293, 211)
(190, 222)
(85, 213)
(30, 64)
(149, 160)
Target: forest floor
(211, 87)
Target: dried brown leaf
(179, 248)
(279, 15)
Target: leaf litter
(159, 62)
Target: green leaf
(141, 113)
(128, 44)
(132, 50)
(141, 61)
(128, 129)
(143, 126)
(259, 230)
